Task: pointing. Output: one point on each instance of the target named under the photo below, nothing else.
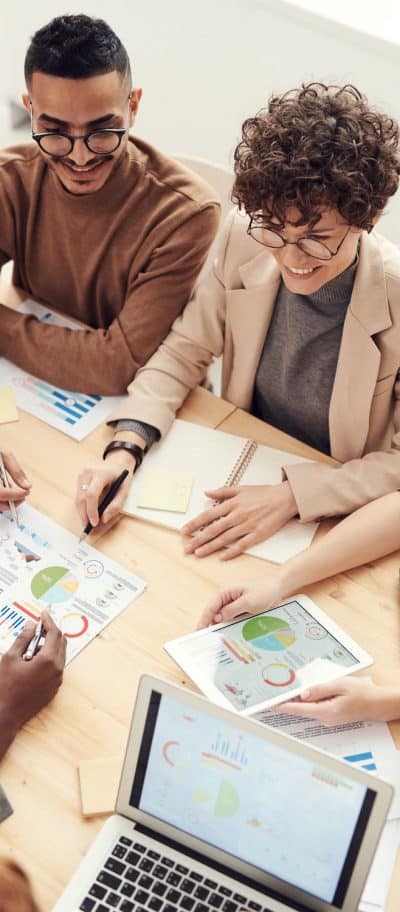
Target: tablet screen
(265, 657)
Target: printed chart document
(75, 414)
(42, 566)
(214, 459)
(369, 746)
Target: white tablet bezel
(175, 649)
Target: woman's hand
(95, 480)
(240, 518)
(21, 487)
(248, 598)
(349, 699)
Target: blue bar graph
(364, 760)
(234, 752)
(69, 407)
(12, 618)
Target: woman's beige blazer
(230, 314)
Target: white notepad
(216, 459)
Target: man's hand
(241, 517)
(349, 699)
(25, 687)
(94, 482)
(248, 598)
(21, 487)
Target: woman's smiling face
(305, 274)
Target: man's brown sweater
(123, 261)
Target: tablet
(264, 659)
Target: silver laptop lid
(290, 820)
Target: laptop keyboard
(135, 878)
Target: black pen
(106, 501)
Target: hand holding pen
(12, 493)
(28, 686)
(35, 643)
(106, 500)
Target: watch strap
(133, 448)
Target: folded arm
(104, 361)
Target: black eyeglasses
(59, 145)
(309, 245)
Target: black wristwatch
(137, 451)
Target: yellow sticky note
(166, 491)
(98, 779)
(8, 409)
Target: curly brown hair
(319, 146)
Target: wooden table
(91, 714)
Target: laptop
(216, 811)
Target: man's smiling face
(77, 107)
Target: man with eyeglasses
(102, 227)
(304, 306)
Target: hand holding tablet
(259, 661)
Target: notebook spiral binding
(236, 474)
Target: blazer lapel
(250, 310)
(359, 357)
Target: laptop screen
(281, 812)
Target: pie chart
(54, 585)
(270, 633)
(219, 797)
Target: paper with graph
(42, 566)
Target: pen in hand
(106, 501)
(6, 483)
(33, 646)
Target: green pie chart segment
(220, 798)
(54, 585)
(270, 633)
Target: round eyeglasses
(59, 145)
(309, 245)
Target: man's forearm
(8, 730)
(85, 360)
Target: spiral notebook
(212, 459)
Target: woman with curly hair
(303, 303)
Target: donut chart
(54, 585)
(73, 624)
(277, 674)
(268, 633)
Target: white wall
(205, 66)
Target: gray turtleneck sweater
(295, 375)
(297, 367)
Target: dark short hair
(76, 47)
(317, 147)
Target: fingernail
(305, 695)
(218, 617)
(25, 483)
